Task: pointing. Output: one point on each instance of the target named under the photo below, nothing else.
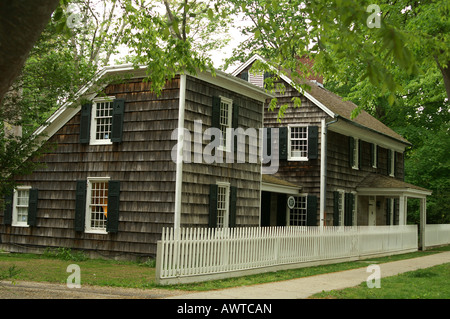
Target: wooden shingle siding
(197, 177)
(304, 173)
(141, 162)
(341, 176)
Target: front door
(372, 212)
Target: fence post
(159, 257)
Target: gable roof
(62, 115)
(333, 105)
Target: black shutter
(85, 123)
(388, 211)
(335, 208)
(267, 144)
(313, 142)
(7, 216)
(80, 205)
(395, 212)
(235, 123)
(32, 206)
(311, 213)
(213, 188)
(348, 214)
(359, 154)
(117, 120)
(112, 222)
(244, 75)
(215, 118)
(283, 145)
(232, 208)
(395, 164)
(351, 146)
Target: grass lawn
(429, 283)
(51, 267)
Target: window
(298, 214)
(102, 115)
(341, 205)
(223, 195)
(20, 206)
(391, 163)
(298, 143)
(354, 153)
(226, 116)
(97, 205)
(374, 155)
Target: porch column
(402, 210)
(423, 221)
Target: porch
(383, 200)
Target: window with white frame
(298, 142)
(20, 206)
(102, 113)
(341, 205)
(374, 155)
(97, 205)
(297, 215)
(223, 196)
(226, 116)
(355, 153)
(392, 163)
(354, 209)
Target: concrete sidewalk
(304, 287)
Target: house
(348, 171)
(115, 179)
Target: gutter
(323, 168)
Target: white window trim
(296, 158)
(355, 209)
(341, 207)
(87, 224)
(15, 222)
(355, 153)
(93, 140)
(375, 155)
(392, 166)
(228, 133)
(226, 216)
(288, 210)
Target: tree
(175, 36)
(21, 23)
(65, 57)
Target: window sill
(99, 232)
(20, 225)
(298, 159)
(107, 142)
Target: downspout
(180, 149)
(323, 168)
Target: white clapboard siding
(206, 251)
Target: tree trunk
(21, 23)
(445, 71)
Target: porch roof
(376, 184)
(274, 184)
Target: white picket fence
(196, 254)
(437, 234)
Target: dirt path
(34, 290)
